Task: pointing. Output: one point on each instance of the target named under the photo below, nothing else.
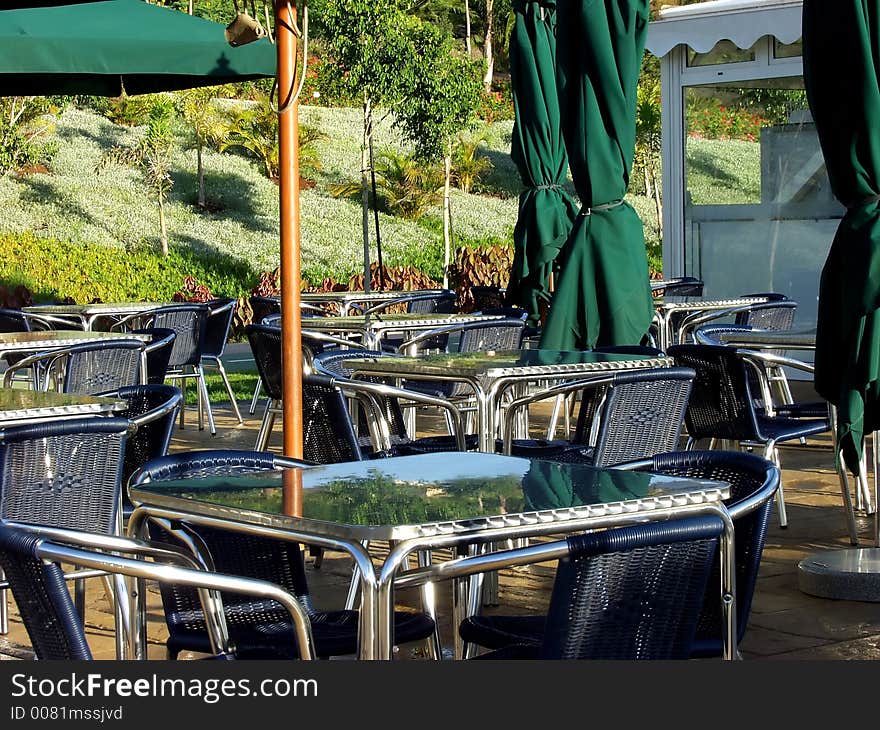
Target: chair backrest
(262, 306)
(493, 334)
(684, 286)
(188, 321)
(64, 474)
(44, 602)
(265, 344)
(642, 414)
(721, 404)
(753, 483)
(95, 367)
(220, 315)
(487, 297)
(277, 561)
(158, 352)
(507, 312)
(440, 303)
(631, 592)
(12, 320)
(777, 314)
(153, 409)
(328, 433)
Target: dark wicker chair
(487, 297)
(89, 368)
(265, 342)
(153, 409)
(722, 406)
(221, 313)
(158, 352)
(63, 474)
(626, 593)
(681, 286)
(753, 483)
(638, 413)
(382, 404)
(31, 556)
(188, 321)
(257, 629)
(262, 307)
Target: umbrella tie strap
(602, 207)
(553, 186)
(864, 202)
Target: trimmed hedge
(54, 270)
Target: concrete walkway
(785, 623)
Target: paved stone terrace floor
(784, 624)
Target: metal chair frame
(223, 308)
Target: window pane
(724, 52)
(759, 212)
(787, 50)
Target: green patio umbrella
(546, 210)
(603, 295)
(102, 47)
(841, 61)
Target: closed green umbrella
(841, 60)
(546, 210)
(102, 47)
(603, 295)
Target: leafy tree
(255, 128)
(468, 162)
(23, 128)
(367, 41)
(208, 123)
(444, 95)
(153, 156)
(648, 141)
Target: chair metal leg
(554, 418)
(4, 607)
(772, 454)
(257, 388)
(354, 586)
(429, 606)
(183, 401)
(228, 386)
(205, 402)
(265, 427)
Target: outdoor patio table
(40, 340)
(20, 407)
(376, 327)
(666, 307)
(87, 314)
(427, 502)
(344, 301)
(491, 373)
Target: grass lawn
(242, 385)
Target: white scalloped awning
(701, 26)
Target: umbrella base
(851, 574)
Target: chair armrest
(554, 391)
(203, 581)
(333, 339)
(410, 347)
(143, 319)
(50, 357)
(358, 387)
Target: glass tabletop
(15, 400)
(502, 362)
(378, 320)
(93, 308)
(58, 337)
(429, 494)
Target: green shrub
(55, 270)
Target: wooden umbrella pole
(288, 142)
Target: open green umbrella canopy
(603, 296)
(841, 61)
(546, 210)
(104, 47)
